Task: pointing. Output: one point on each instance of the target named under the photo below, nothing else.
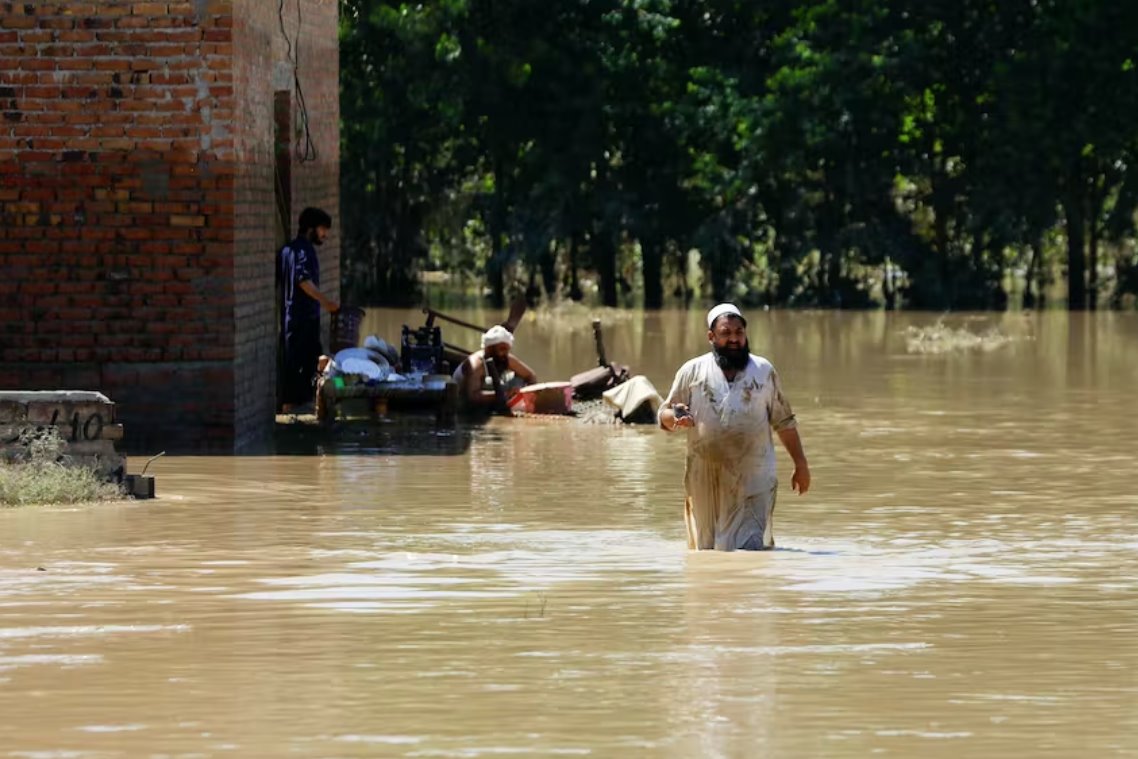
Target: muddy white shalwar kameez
(730, 479)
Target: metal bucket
(139, 486)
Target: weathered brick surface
(137, 209)
(84, 421)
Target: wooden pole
(599, 340)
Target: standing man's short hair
(311, 218)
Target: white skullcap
(723, 309)
(495, 335)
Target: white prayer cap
(723, 309)
(495, 335)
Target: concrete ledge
(84, 420)
(53, 396)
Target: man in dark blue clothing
(300, 308)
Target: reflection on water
(959, 581)
(409, 434)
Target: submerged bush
(940, 338)
(42, 477)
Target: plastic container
(346, 327)
(545, 398)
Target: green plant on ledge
(42, 477)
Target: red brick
(9, 21)
(58, 24)
(187, 221)
(45, 92)
(77, 35)
(37, 288)
(150, 9)
(37, 64)
(133, 22)
(74, 64)
(111, 64)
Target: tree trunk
(496, 266)
(774, 266)
(941, 196)
(1076, 252)
(833, 280)
(719, 272)
(401, 284)
(548, 263)
(1028, 294)
(940, 232)
(1092, 257)
(652, 255)
(888, 292)
(680, 256)
(574, 283)
(533, 292)
(604, 257)
(1092, 267)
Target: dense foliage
(917, 153)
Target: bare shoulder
(469, 366)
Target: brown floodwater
(962, 579)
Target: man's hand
(682, 416)
(800, 480)
(313, 292)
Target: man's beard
(732, 359)
(501, 364)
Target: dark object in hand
(680, 412)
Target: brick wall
(136, 233)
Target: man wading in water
(729, 401)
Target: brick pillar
(136, 234)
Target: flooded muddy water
(961, 580)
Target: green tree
(403, 145)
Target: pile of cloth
(374, 362)
(635, 400)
